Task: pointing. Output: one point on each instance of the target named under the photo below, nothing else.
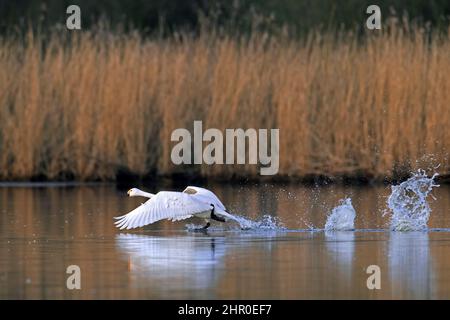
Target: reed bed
(96, 104)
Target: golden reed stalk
(97, 103)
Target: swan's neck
(140, 193)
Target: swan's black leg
(207, 226)
(202, 229)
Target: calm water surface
(44, 229)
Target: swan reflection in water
(186, 262)
(173, 262)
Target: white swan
(193, 201)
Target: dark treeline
(153, 15)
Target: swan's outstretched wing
(208, 197)
(204, 195)
(164, 205)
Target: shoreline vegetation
(101, 106)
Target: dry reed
(87, 107)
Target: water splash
(265, 222)
(408, 202)
(268, 222)
(342, 218)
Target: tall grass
(98, 103)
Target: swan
(175, 206)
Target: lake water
(46, 228)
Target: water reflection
(341, 245)
(43, 230)
(341, 249)
(410, 265)
(172, 262)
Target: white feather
(164, 205)
(205, 195)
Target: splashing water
(408, 204)
(342, 218)
(266, 222)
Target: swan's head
(133, 192)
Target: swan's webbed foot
(202, 229)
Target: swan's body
(192, 202)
